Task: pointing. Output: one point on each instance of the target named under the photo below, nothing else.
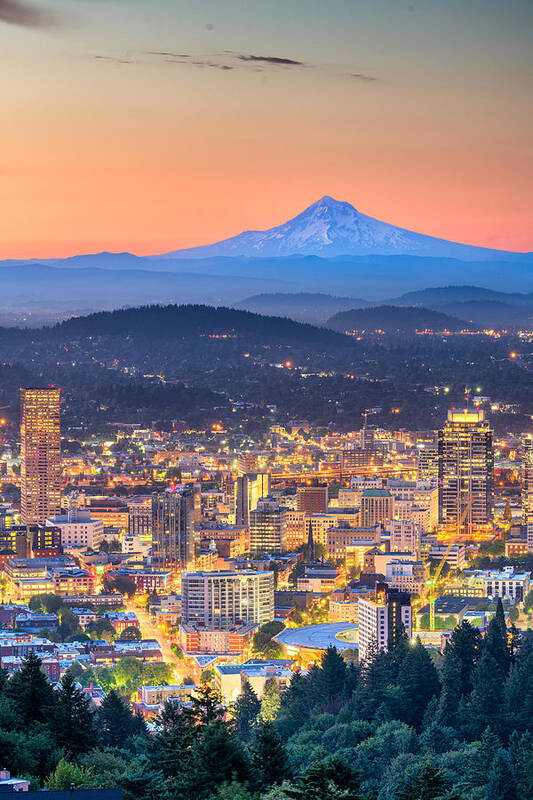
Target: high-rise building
(527, 480)
(222, 600)
(376, 507)
(174, 538)
(268, 527)
(427, 461)
(382, 620)
(466, 470)
(312, 499)
(40, 437)
(246, 463)
(140, 515)
(249, 489)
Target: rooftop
(319, 637)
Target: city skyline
(153, 128)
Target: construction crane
(431, 583)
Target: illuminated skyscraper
(40, 435)
(249, 489)
(174, 537)
(466, 470)
(527, 480)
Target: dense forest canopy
(402, 727)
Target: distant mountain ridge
(332, 227)
(405, 319)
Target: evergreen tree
(330, 779)
(521, 752)
(518, 690)
(295, 705)
(207, 705)
(330, 678)
(483, 755)
(218, 757)
(425, 783)
(419, 682)
(171, 745)
(485, 703)
(465, 643)
(246, 710)
(142, 781)
(271, 702)
(74, 719)
(116, 721)
(32, 693)
(501, 784)
(269, 755)
(451, 688)
(496, 641)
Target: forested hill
(161, 322)
(393, 318)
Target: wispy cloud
(229, 60)
(361, 76)
(14, 12)
(114, 59)
(276, 60)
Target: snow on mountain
(330, 228)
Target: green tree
(47, 603)
(528, 601)
(496, 640)
(425, 782)
(330, 679)
(128, 673)
(332, 779)
(107, 768)
(488, 683)
(419, 682)
(172, 743)
(121, 583)
(271, 701)
(207, 705)
(74, 719)
(102, 629)
(450, 695)
(68, 624)
(269, 755)
(246, 710)
(32, 693)
(501, 784)
(116, 721)
(67, 775)
(218, 757)
(262, 641)
(207, 676)
(130, 634)
(465, 643)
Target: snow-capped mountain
(330, 228)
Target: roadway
(150, 631)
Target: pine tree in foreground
(269, 755)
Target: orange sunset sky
(152, 125)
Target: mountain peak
(331, 204)
(330, 228)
